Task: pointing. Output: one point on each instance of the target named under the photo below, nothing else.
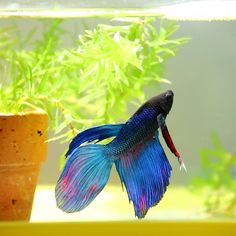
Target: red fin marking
(142, 205)
(66, 179)
(142, 202)
(91, 189)
(132, 153)
(64, 184)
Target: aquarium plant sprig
(217, 179)
(91, 82)
(122, 59)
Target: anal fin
(145, 172)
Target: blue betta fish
(136, 151)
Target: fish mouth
(169, 93)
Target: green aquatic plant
(121, 60)
(217, 179)
(89, 83)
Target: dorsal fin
(96, 133)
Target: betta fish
(135, 150)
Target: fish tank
(75, 74)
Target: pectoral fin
(168, 140)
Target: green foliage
(218, 179)
(90, 83)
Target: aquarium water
(202, 74)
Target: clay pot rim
(23, 113)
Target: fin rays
(85, 174)
(145, 175)
(96, 133)
(144, 170)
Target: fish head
(164, 101)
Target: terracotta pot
(22, 150)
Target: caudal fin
(85, 174)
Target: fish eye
(168, 96)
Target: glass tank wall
(172, 9)
(201, 74)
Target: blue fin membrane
(145, 172)
(85, 174)
(96, 133)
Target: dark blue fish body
(136, 151)
(140, 126)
